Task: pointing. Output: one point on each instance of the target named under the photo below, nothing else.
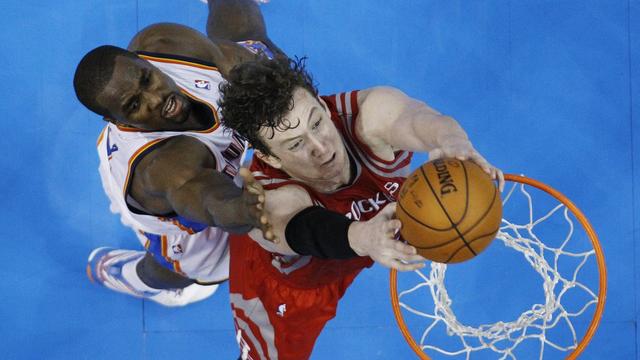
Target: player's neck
(199, 118)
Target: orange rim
(602, 270)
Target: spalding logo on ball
(450, 210)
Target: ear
(271, 160)
(323, 103)
(109, 119)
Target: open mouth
(172, 107)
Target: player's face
(312, 151)
(142, 96)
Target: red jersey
(281, 303)
(375, 184)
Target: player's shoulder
(378, 107)
(378, 95)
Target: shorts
(203, 256)
(279, 311)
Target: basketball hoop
(538, 325)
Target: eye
(134, 104)
(296, 145)
(146, 78)
(316, 124)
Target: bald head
(94, 72)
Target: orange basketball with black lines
(450, 210)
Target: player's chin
(176, 119)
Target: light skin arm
(281, 205)
(390, 120)
(180, 176)
(374, 238)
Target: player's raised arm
(175, 39)
(181, 177)
(393, 120)
(168, 38)
(238, 20)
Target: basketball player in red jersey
(331, 167)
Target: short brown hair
(259, 93)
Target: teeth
(171, 106)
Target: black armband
(319, 232)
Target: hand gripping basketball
(450, 210)
(376, 238)
(461, 148)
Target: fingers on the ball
(400, 266)
(500, 180)
(435, 154)
(416, 258)
(405, 248)
(483, 163)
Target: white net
(540, 325)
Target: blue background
(546, 88)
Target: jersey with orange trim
(195, 250)
(274, 297)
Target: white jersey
(195, 250)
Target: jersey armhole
(144, 150)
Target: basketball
(450, 210)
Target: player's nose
(155, 99)
(319, 148)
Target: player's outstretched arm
(181, 177)
(238, 20)
(175, 39)
(390, 120)
(299, 227)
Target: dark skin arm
(238, 20)
(175, 39)
(229, 21)
(180, 176)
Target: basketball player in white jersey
(168, 166)
(331, 167)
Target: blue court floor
(545, 88)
